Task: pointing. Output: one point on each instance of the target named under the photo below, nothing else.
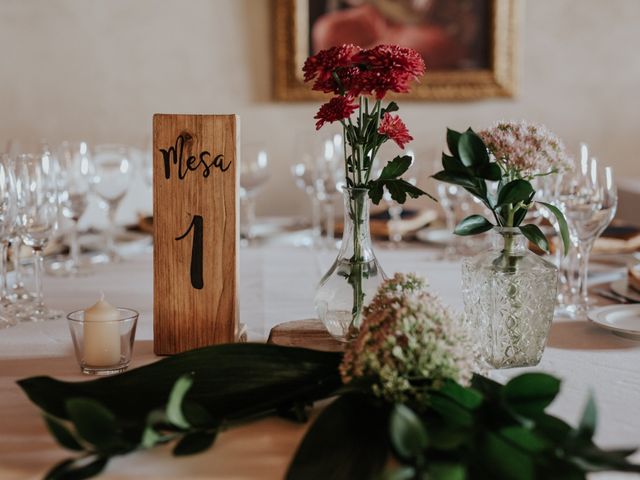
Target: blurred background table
(277, 285)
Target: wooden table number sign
(195, 184)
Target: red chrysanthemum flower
(338, 108)
(395, 129)
(322, 66)
(388, 68)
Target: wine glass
(37, 193)
(74, 182)
(307, 150)
(254, 173)
(588, 198)
(113, 174)
(8, 212)
(329, 182)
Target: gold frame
(498, 81)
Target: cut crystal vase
(509, 296)
(355, 275)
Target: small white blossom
(408, 341)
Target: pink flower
(395, 129)
(338, 108)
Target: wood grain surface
(304, 333)
(195, 205)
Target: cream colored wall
(99, 69)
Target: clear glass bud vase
(354, 277)
(509, 296)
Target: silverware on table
(611, 295)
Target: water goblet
(36, 188)
(7, 217)
(307, 150)
(74, 184)
(254, 173)
(113, 174)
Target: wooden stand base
(304, 333)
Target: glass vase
(354, 277)
(509, 296)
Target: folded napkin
(618, 239)
(411, 220)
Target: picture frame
(497, 78)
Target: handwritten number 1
(196, 251)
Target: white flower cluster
(408, 343)
(526, 148)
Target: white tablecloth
(276, 285)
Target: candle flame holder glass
(103, 347)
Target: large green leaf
(589, 419)
(534, 234)
(453, 138)
(61, 433)
(73, 469)
(194, 443)
(348, 441)
(230, 381)
(453, 165)
(176, 396)
(530, 393)
(93, 422)
(472, 150)
(408, 435)
(396, 167)
(455, 179)
(472, 225)
(514, 192)
(562, 223)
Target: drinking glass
(588, 198)
(113, 174)
(37, 193)
(395, 209)
(329, 183)
(254, 173)
(7, 217)
(74, 182)
(307, 151)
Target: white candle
(101, 335)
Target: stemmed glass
(254, 173)
(307, 150)
(7, 218)
(113, 174)
(37, 194)
(329, 182)
(75, 182)
(588, 198)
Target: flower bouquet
(509, 293)
(359, 81)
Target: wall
(98, 70)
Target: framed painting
(469, 46)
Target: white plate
(622, 288)
(623, 320)
(437, 236)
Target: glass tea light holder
(103, 337)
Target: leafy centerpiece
(407, 405)
(509, 293)
(360, 80)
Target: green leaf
(465, 397)
(472, 225)
(535, 235)
(472, 150)
(196, 415)
(450, 411)
(514, 192)
(525, 439)
(77, 469)
(407, 433)
(453, 165)
(194, 443)
(62, 434)
(396, 167)
(392, 107)
(453, 138)
(348, 440)
(504, 460)
(233, 380)
(589, 419)
(455, 179)
(562, 222)
(93, 422)
(376, 191)
(446, 471)
(530, 393)
(490, 171)
(174, 405)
